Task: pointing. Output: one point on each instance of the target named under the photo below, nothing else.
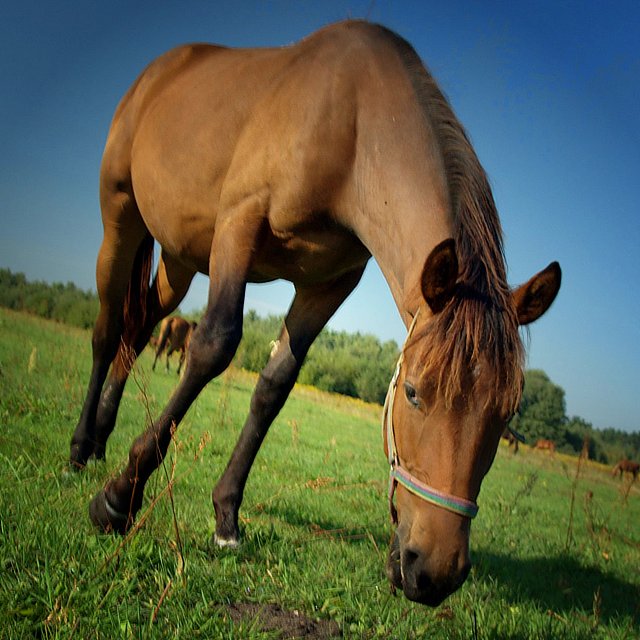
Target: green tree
(542, 410)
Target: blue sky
(548, 92)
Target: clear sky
(549, 92)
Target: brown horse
(546, 445)
(175, 335)
(301, 163)
(626, 466)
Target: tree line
(542, 414)
(357, 365)
(61, 302)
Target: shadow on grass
(560, 584)
(334, 529)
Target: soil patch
(290, 624)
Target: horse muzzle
(427, 578)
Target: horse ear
(439, 275)
(534, 297)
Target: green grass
(314, 521)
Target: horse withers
(301, 163)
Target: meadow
(556, 544)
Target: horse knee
(211, 352)
(274, 385)
(271, 391)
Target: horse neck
(405, 213)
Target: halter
(399, 475)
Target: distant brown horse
(627, 466)
(175, 335)
(546, 445)
(511, 439)
(301, 163)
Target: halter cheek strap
(399, 475)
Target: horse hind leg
(170, 352)
(126, 243)
(163, 338)
(169, 287)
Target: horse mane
(481, 318)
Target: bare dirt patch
(290, 624)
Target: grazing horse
(175, 335)
(546, 445)
(627, 466)
(511, 439)
(301, 163)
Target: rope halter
(399, 475)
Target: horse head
(457, 384)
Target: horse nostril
(413, 571)
(428, 582)
(409, 558)
(416, 581)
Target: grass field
(556, 548)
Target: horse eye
(411, 394)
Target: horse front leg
(309, 312)
(212, 348)
(274, 384)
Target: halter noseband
(399, 475)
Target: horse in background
(626, 466)
(511, 439)
(545, 445)
(175, 335)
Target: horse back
(205, 127)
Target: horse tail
(135, 303)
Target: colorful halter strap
(398, 475)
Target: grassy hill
(556, 547)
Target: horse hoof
(226, 543)
(105, 517)
(77, 460)
(100, 453)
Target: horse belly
(186, 237)
(308, 257)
